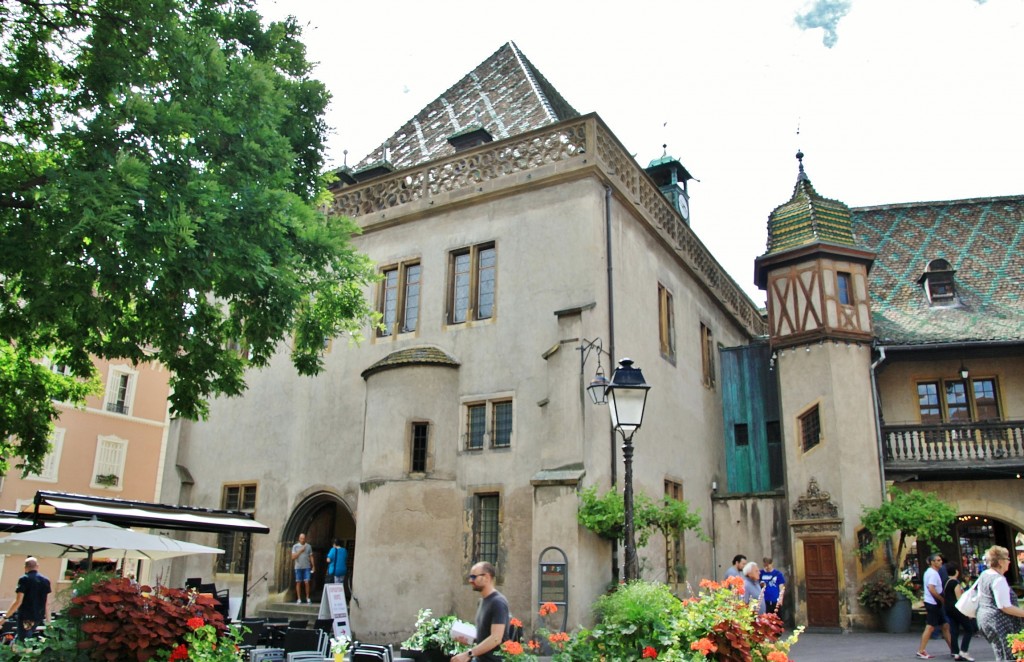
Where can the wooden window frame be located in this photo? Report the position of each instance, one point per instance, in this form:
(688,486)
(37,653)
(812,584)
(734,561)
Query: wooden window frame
(942,386)
(486,526)
(844,288)
(474,275)
(707,355)
(487,436)
(666,323)
(808,425)
(408,274)
(675,550)
(99,469)
(50,471)
(233,542)
(419,447)
(113,399)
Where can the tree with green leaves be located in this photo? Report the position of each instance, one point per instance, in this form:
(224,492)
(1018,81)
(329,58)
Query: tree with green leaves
(161,197)
(605,515)
(917,514)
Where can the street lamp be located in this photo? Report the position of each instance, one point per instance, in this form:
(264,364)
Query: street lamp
(627,396)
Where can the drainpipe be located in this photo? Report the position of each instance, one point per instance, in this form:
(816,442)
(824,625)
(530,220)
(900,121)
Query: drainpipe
(876,402)
(611,351)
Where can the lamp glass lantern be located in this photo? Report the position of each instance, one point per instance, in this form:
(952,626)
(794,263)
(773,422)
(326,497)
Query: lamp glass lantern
(627,395)
(964,372)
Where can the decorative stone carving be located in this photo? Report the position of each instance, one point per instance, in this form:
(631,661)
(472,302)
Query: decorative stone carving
(815,512)
(815,504)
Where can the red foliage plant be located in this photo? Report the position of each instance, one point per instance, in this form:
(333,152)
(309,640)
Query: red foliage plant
(122,621)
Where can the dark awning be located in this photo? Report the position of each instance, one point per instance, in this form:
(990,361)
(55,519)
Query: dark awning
(64,507)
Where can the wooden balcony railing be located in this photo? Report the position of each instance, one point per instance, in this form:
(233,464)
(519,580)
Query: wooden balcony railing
(966,443)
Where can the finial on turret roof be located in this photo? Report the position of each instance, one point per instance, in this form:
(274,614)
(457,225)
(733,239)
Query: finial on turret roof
(664,149)
(800,158)
(344,157)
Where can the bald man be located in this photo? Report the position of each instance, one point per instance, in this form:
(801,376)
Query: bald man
(32,599)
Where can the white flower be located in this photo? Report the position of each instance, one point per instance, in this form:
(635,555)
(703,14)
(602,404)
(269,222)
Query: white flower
(340,645)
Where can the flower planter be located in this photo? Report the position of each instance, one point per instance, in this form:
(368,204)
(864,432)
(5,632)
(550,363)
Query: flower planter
(896,619)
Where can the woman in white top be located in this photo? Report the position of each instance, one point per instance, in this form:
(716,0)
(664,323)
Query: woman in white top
(998,613)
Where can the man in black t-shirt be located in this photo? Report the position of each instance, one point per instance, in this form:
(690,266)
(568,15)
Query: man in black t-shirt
(30,603)
(492,617)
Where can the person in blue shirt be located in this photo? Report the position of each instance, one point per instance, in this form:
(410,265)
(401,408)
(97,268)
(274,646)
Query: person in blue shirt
(337,563)
(773,584)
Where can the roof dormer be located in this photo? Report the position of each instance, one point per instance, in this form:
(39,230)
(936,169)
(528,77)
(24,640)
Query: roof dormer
(939,282)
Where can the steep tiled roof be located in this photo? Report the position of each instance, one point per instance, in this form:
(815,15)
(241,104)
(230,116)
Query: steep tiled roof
(505,95)
(983,240)
(808,218)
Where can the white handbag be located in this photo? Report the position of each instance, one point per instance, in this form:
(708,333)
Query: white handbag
(967,604)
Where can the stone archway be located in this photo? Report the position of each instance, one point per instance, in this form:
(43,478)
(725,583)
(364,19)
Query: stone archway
(322,516)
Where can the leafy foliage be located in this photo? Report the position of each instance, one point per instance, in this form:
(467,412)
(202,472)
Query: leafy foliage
(121,620)
(919,514)
(646,621)
(605,516)
(160,194)
(434,634)
(882,594)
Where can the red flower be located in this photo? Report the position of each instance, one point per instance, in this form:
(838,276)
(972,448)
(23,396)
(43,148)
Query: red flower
(195,623)
(777,656)
(705,646)
(512,648)
(548,608)
(180,653)
(516,623)
(649,652)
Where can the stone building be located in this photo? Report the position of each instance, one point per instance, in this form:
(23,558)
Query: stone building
(522,248)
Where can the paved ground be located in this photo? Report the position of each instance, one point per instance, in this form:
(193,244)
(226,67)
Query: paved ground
(877,647)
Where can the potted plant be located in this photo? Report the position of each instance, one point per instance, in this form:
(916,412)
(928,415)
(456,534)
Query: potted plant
(891,601)
(922,515)
(107,480)
(431,639)
(339,647)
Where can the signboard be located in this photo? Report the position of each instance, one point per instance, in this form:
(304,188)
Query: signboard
(334,607)
(553,587)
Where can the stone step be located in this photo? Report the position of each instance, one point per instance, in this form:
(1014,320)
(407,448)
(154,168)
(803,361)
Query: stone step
(291,611)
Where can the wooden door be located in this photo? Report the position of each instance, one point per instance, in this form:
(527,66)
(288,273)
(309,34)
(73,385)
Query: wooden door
(822,578)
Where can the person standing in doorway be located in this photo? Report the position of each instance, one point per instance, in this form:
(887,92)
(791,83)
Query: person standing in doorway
(492,617)
(774,586)
(935,618)
(302,555)
(337,563)
(736,570)
(31,600)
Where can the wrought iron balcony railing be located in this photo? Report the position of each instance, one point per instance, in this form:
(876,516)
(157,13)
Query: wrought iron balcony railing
(971,443)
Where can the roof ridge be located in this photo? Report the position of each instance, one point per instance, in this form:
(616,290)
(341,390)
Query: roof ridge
(528,69)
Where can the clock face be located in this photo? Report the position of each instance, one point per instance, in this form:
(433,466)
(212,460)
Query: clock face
(684,206)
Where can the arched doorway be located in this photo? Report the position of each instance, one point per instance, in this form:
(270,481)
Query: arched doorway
(971,534)
(322,516)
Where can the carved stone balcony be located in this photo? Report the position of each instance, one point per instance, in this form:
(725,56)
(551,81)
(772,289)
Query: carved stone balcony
(575,148)
(963,450)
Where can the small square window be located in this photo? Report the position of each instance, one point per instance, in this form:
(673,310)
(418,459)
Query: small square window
(810,429)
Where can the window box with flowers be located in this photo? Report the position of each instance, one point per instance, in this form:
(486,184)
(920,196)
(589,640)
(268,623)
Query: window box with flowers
(108,480)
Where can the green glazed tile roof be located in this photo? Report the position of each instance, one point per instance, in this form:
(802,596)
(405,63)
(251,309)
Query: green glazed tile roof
(808,218)
(423,355)
(983,240)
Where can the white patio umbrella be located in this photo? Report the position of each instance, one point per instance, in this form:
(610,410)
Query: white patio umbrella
(87,537)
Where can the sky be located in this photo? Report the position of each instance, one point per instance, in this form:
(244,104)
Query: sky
(891,101)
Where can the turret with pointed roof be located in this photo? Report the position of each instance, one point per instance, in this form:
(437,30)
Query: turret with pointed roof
(505,95)
(813,270)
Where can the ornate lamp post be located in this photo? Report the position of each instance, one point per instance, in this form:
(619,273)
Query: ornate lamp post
(627,395)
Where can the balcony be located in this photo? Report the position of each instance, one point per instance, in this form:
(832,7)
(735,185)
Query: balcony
(961,449)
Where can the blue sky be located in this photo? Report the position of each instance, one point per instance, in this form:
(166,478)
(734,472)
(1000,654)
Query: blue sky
(895,100)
